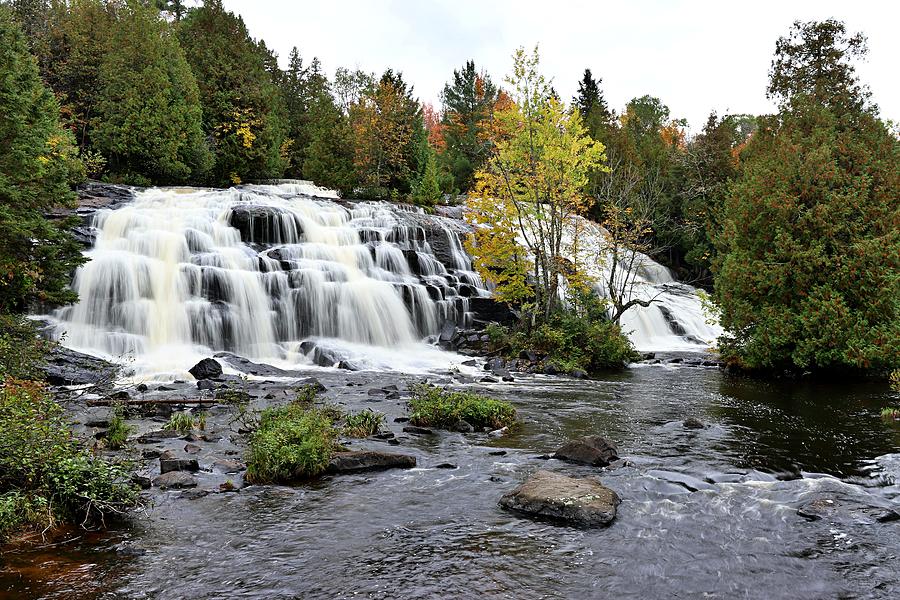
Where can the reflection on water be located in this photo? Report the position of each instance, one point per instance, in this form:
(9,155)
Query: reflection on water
(706,513)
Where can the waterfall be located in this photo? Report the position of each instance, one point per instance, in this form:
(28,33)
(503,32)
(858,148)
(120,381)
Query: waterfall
(280,273)
(288,274)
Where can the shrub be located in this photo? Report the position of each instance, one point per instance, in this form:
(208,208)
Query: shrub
(46,475)
(292,442)
(21,350)
(362,424)
(431,406)
(589,342)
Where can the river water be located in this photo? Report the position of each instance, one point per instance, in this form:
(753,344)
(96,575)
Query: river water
(707,513)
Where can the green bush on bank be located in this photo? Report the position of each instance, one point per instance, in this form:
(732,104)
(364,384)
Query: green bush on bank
(432,406)
(570,341)
(47,477)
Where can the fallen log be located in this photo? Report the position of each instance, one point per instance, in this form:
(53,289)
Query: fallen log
(115,402)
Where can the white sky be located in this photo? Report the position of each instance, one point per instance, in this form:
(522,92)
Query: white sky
(694,55)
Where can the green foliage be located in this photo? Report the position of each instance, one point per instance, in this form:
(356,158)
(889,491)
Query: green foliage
(243,111)
(46,475)
(182,422)
(362,424)
(468,103)
(590,341)
(431,406)
(21,349)
(38,165)
(809,273)
(118,431)
(148,119)
(293,442)
(426,190)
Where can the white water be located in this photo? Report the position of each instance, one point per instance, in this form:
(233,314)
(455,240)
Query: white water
(170,281)
(269,271)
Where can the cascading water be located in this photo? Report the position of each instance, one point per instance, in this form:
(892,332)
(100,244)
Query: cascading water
(279,273)
(290,275)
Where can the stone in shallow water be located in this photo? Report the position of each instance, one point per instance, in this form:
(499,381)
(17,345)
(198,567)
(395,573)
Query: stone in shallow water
(839,509)
(167,465)
(589,450)
(368,460)
(581,502)
(175,480)
(208,368)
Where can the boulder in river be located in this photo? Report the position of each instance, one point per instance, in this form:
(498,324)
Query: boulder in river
(167,465)
(548,495)
(368,460)
(208,368)
(175,480)
(588,450)
(836,508)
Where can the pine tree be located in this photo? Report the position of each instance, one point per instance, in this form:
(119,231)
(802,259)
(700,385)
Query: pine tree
(148,121)
(468,102)
(243,110)
(330,153)
(591,103)
(809,272)
(38,165)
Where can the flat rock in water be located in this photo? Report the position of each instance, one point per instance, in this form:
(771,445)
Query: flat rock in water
(159,435)
(548,495)
(368,460)
(589,450)
(847,510)
(175,480)
(167,465)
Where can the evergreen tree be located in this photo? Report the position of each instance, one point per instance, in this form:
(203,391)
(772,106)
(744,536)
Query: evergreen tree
(148,121)
(809,272)
(329,156)
(468,103)
(37,167)
(592,105)
(304,88)
(243,110)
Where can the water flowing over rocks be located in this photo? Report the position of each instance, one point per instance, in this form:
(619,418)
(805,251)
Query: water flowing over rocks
(580,502)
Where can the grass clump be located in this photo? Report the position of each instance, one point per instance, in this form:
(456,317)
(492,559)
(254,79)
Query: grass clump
(431,406)
(48,477)
(292,442)
(118,431)
(184,422)
(362,424)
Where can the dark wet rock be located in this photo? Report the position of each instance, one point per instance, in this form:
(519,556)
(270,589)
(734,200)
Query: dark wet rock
(836,508)
(175,480)
(589,450)
(349,365)
(446,466)
(488,310)
(579,374)
(692,423)
(377,392)
(550,369)
(401,420)
(489,379)
(141,481)
(239,363)
(548,495)
(495,364)
(228,466)
(142,387)
(260,224)
(68,367)
(167,465)
(312,381)
(368,460)
(206,384)
(156,436)
(675,361)
(470,363)
(193,494)
(463,426)
(208,368)
(151,453)
(417,430)
(498,453)
(192,448)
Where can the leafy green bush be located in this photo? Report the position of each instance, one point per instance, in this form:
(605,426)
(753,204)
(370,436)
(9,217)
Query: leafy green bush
(362,424)
(292,442)
(46,475)
(570,341)
(21,350)
(431,406)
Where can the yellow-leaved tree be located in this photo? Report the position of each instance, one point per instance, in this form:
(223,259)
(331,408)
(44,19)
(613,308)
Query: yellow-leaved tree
(529,193)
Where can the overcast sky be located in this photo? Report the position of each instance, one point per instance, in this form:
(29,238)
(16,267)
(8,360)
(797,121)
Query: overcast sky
(695,56)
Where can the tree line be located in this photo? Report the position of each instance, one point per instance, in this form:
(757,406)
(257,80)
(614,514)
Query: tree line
(790,219)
